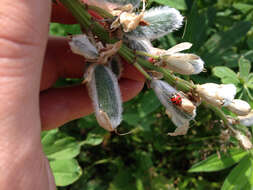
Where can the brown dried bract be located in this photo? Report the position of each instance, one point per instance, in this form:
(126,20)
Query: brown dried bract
(108,51)
(129,21)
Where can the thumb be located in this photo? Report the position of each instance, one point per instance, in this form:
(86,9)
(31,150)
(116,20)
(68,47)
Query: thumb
(23,37)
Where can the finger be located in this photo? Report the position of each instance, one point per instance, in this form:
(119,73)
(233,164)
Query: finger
(58,106)
(61,62)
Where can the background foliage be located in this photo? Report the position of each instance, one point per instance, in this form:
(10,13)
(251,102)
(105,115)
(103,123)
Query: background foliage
(83,156)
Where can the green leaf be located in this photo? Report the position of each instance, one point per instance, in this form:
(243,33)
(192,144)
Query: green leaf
(56,147)
(241,177)
(58,29)
(250,81)
(123,180)
(226,75)
(65,171)
(214,163)
(220,42)
(148,103)
(196,30)
(243,7)
(244,68)
(177,4)
(250,41)
(93,139)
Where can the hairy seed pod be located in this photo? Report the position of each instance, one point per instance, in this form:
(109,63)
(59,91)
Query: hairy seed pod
(105,94)
(161,21)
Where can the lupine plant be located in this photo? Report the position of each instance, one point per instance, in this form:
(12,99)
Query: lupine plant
(117,31)
(137,30)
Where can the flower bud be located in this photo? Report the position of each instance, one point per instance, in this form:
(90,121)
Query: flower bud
(179,114)
(244,140)
(105,94)
(81,45)
(215,94)
(239,107)
(183,63)
(246,120)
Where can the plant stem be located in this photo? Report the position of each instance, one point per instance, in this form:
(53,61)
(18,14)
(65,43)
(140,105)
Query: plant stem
(142,71)
(80,13)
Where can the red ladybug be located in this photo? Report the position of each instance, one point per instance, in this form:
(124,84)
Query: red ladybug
(176,99)
(151,60)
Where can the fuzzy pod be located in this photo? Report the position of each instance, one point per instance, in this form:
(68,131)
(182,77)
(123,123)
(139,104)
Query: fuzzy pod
(239,107)
(160,22)
(246,120)
(217,95)
(180,115)
(140,45)
(118,3)
(106,97)
(81,45)
(183,63)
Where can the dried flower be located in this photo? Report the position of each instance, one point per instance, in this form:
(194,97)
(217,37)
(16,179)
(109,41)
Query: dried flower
(129,20)
(215,94)
(244,140)
(239,107)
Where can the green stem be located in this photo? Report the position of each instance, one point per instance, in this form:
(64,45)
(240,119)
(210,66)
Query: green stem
(221,114)
(142,71)
(80,13)
(143,53)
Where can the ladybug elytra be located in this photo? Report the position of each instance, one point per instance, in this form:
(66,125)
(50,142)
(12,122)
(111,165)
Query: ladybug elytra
(176,99)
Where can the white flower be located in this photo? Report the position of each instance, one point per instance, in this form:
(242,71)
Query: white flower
(183,63)
(239,107)
(215,94)
(246,120)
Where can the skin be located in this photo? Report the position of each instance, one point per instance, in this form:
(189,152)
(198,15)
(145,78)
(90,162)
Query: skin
(30,62)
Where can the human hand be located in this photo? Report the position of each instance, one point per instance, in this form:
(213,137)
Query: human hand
(28,104)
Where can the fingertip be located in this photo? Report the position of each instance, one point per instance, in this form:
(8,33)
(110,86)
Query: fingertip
(130,72)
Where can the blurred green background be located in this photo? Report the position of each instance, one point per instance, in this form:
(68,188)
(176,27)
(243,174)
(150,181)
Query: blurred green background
(83,156)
